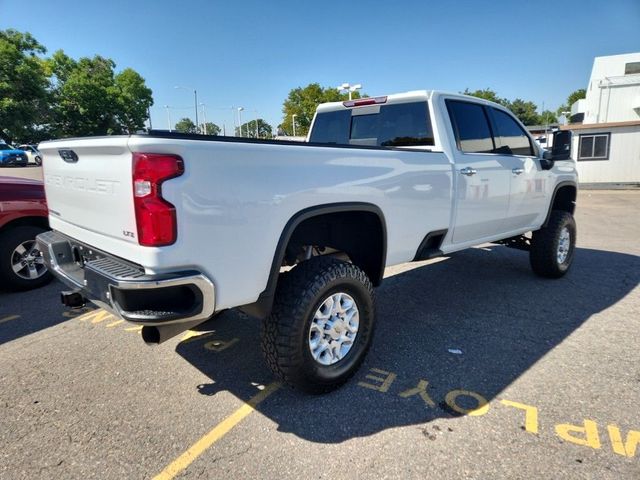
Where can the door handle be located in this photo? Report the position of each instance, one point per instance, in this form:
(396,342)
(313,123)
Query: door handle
(517,171)
(468,171)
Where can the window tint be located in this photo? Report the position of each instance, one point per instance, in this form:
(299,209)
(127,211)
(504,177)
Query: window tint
(594,147)
(395,125)
(405,124)
(510,137)
(331,127)
(471,126)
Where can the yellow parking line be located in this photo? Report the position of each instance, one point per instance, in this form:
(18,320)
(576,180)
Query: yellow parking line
(9,318)
(113,324)
(219,431)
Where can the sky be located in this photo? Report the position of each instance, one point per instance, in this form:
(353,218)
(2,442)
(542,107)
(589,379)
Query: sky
(252,53)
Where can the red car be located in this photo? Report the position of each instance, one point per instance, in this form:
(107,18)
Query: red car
(23,215)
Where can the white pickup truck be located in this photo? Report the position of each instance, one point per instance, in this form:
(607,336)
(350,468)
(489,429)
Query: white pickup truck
(167,230)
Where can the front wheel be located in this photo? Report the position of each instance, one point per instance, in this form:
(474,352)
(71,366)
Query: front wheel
(552,246)
(38,160)
(321,325)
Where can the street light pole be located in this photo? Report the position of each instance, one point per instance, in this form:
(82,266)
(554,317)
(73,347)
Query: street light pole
(168,116)
(349,88)
(195,96)
(204,118)
(240,109)
(257,130)
(293,121)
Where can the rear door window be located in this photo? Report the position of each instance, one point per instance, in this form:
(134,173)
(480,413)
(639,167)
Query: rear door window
(510,137)
(471,126)
(395,125)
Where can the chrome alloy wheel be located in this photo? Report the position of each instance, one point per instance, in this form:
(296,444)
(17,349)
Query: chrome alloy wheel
(27,261)
(334,328)
(564,244)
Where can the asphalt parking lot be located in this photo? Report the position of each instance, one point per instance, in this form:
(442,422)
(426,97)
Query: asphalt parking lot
(479,369)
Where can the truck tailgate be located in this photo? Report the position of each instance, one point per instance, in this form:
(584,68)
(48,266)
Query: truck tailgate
(88,185)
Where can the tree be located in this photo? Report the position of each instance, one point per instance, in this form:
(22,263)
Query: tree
(185,125)
(487,94)
(571,99)
(133,99)
(249,129)
(212,128)
(90,99)
(24,87)
(525,111)
(547,117)
(303,102)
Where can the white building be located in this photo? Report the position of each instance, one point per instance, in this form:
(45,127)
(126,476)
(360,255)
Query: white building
(606,124)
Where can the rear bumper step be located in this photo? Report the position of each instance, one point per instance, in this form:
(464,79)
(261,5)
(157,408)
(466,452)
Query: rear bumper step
(124,288)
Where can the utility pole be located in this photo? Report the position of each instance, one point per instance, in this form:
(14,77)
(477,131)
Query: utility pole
(293,121)
(168,116)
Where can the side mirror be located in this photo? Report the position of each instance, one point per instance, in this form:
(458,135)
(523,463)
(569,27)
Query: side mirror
(546,162)
(561,149)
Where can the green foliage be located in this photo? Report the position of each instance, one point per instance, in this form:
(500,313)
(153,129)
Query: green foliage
(547,117)
(60,97)
(249,129)
(91,99)
(212,128)
(23,86)
(133,99)
(185,125)
(526,111)
(303,103)
(571,99)
(487,94)
(575,96)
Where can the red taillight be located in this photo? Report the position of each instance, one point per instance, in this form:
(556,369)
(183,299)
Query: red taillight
(155,217)
(365,101)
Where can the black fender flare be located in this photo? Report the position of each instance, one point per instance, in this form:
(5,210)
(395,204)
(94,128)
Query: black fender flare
(262,306)
(566,183)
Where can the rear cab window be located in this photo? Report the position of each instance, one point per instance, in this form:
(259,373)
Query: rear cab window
(392,125)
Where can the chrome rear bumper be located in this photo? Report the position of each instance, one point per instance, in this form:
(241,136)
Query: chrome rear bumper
(124,288)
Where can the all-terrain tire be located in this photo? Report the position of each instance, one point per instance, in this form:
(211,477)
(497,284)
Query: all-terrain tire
(551,254)
(286,332)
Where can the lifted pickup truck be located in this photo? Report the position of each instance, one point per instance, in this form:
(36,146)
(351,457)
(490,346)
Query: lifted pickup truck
(166,230)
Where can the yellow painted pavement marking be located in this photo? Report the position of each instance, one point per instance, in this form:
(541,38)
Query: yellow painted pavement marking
(133,329)
(191,335)
(113,324)
(9,318)
(219,431)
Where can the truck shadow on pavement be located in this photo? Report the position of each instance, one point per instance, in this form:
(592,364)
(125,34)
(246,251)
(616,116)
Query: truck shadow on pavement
(485,302)
(24,313)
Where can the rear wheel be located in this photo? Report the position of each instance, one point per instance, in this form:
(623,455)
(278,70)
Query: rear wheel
(21,264)
(38,160)
(321,325)
(552,246)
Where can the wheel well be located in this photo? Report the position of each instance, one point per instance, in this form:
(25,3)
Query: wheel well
(565,199)
(357,234)
(26,221)
(355,229)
